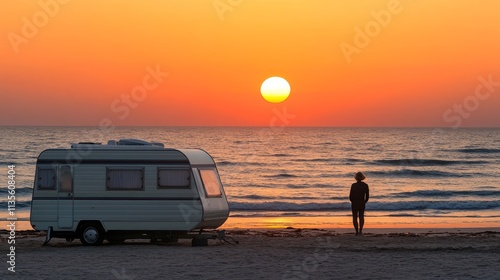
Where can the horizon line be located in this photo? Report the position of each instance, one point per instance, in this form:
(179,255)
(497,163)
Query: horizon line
(250,126)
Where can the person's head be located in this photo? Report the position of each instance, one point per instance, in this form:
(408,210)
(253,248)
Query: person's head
(359,176)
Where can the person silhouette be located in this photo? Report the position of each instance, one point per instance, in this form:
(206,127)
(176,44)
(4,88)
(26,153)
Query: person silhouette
(359,196)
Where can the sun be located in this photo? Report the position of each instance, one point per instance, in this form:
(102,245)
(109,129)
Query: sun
(275,89)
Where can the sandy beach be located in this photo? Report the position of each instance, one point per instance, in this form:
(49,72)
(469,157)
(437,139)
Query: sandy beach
(269,254)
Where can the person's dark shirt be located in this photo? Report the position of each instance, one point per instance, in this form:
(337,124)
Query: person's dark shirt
(359,193)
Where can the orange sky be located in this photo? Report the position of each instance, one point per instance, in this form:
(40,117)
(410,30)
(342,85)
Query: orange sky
(72,61)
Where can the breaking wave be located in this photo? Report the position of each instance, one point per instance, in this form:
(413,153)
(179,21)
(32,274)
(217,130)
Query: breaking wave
(439,193)
(425,162)
(418,173)
(478,151)
(378,206)
(282,175)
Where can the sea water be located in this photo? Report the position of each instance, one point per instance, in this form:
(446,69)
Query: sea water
(414,174)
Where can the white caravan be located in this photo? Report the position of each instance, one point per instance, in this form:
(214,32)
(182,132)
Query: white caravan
(127,189)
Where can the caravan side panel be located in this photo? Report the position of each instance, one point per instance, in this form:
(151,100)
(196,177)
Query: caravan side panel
(150,208)
(44,204)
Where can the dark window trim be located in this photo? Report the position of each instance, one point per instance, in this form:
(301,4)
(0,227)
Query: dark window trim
(158,186)
(142,169)
(54,187)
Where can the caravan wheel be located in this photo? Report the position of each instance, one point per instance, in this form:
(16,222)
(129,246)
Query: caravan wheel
(91,235)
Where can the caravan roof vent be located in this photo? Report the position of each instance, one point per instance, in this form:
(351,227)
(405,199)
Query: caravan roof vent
(134,142)
(157,144)
(74,146)
(137,142)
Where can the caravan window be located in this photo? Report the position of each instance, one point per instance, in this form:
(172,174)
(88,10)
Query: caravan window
(211,182)
(65,179)
(46,179)
(174,178)
(125,179)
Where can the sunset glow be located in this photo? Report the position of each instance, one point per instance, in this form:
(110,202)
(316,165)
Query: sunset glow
(350,63)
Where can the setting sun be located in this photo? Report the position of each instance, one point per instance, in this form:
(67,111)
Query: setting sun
(275,89)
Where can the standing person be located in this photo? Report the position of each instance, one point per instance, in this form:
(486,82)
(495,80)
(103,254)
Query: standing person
(359,196)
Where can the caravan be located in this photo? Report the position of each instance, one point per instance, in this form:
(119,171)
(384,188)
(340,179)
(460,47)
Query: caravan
(127,189)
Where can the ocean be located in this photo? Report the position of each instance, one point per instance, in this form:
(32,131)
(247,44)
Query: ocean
(416,175)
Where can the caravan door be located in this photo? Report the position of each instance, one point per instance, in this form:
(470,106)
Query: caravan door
(65,197)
